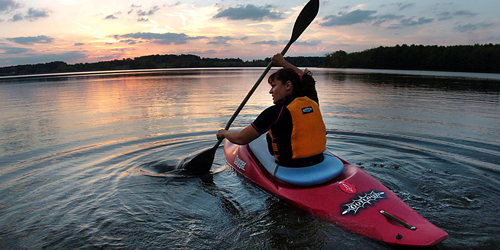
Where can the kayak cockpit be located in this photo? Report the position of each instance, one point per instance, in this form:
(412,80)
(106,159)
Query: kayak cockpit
(318,174)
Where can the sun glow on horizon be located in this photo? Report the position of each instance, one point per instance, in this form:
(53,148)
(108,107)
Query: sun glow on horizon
(90,31)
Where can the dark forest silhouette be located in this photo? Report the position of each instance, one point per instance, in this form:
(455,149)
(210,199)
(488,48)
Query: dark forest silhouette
(463,58)
(150,62)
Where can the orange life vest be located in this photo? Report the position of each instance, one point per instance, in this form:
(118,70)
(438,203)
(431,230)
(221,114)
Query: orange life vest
(308,136)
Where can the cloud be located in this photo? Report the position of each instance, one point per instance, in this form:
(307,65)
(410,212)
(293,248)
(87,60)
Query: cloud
(204,52)
(16,17)
(444,16)
(464,13)
(221,40)
(368,16)
(113,16)
(449,15)
(34,14)
(148,13)
(42,58)
(402,6)
(9,5)
(13,50)
(110,17)
(472,26)
(266,43)
(411,21)
(308,43)
(387,18)
(30,40)
(349,18)
(467,27)
(165,38)
(79,44)
(130,41)
(250,12)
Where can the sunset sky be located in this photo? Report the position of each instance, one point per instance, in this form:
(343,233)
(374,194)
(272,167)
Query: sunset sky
(78,31)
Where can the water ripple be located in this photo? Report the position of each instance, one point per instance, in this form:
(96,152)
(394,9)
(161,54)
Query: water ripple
(90,162)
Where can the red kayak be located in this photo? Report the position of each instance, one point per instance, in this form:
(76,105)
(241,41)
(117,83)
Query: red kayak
(336,191)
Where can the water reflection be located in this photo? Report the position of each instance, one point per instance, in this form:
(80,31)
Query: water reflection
(89,161)
(401,80)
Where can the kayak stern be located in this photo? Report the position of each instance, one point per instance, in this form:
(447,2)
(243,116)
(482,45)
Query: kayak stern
(354,201)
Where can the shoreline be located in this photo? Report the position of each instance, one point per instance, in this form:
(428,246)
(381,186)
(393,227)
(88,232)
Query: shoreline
(475,75)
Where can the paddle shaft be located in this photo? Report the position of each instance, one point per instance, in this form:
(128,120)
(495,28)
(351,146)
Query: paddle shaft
(269,66)
(202,163)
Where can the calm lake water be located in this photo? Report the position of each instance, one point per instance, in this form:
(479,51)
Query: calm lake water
(88,161)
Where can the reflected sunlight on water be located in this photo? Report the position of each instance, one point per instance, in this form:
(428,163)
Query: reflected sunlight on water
(89,161)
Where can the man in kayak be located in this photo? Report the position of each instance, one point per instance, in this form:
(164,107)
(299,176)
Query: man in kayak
(296,131)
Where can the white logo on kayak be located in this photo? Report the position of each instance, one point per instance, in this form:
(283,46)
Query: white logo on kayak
(239,163)
(355,205)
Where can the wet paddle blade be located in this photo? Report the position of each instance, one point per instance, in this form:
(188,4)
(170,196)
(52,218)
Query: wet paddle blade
(201,163)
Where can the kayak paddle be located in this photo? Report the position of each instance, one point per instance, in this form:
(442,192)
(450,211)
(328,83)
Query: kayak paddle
(202,163)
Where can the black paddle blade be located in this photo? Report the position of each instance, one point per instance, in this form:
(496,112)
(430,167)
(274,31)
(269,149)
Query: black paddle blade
(201,163)
(305,18)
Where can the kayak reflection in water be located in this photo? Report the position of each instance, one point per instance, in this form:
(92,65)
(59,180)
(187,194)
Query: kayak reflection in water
(296,131)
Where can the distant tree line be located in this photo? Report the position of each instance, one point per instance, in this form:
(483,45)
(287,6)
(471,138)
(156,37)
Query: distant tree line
(463,58)
(150,62)
(144,62)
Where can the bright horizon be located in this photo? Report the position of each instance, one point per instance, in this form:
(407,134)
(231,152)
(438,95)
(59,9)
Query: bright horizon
(77,31)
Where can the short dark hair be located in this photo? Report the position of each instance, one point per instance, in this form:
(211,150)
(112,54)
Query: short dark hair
(285,75)
(302,86)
